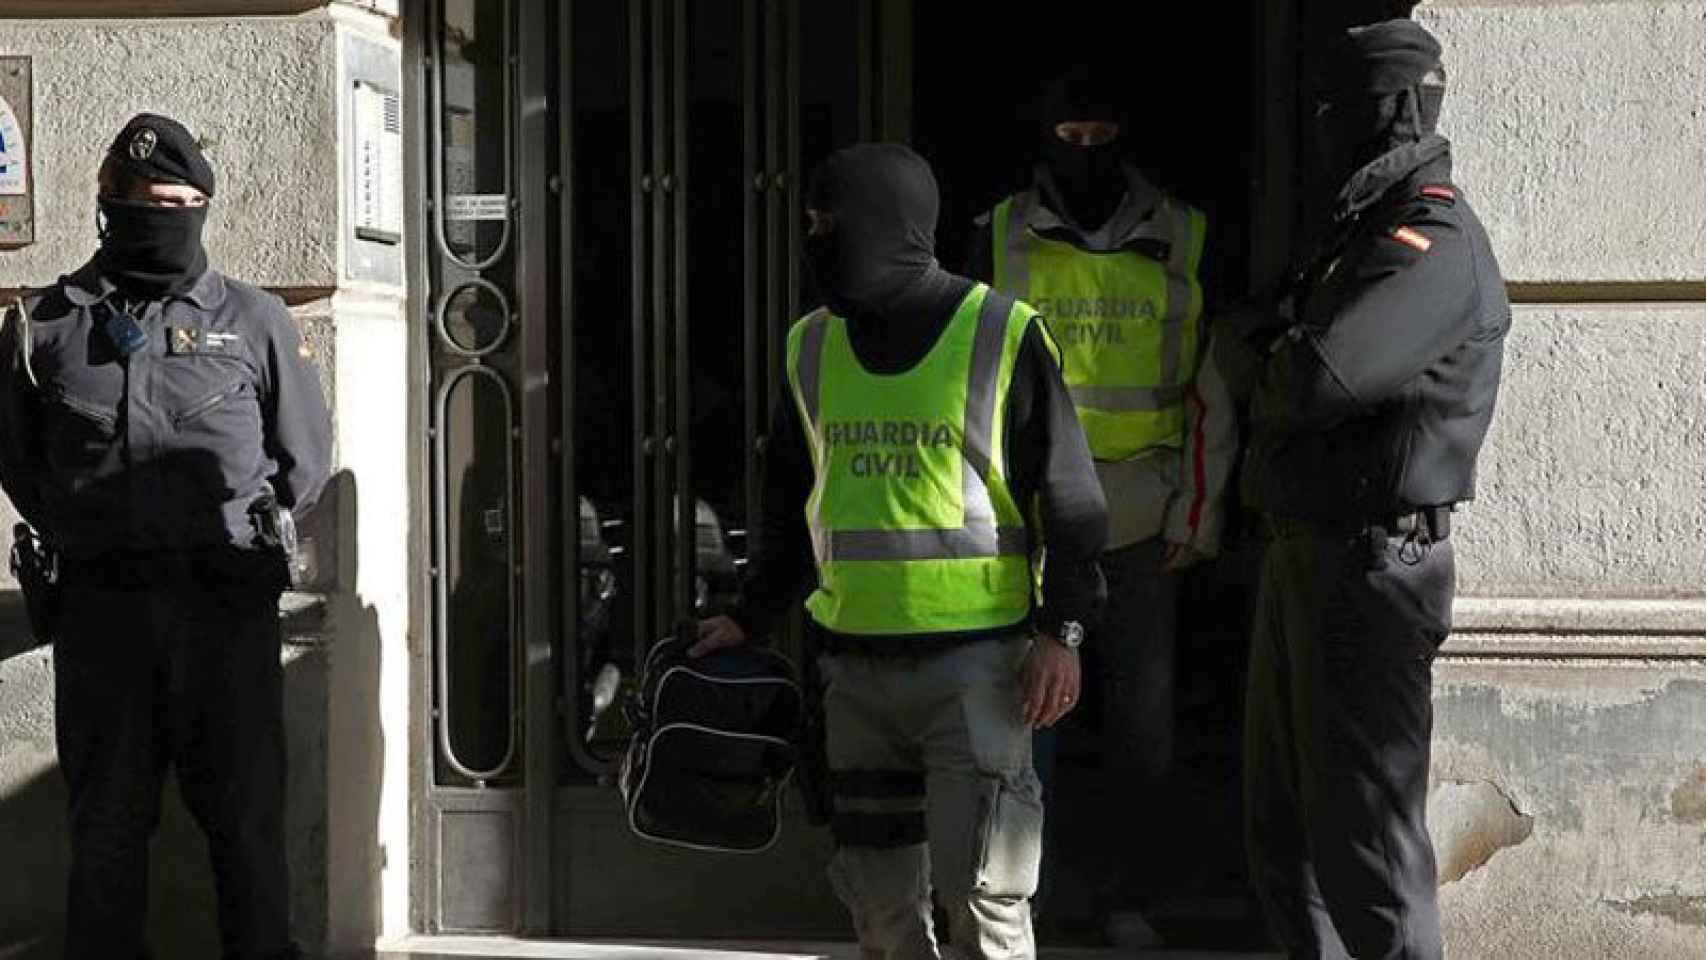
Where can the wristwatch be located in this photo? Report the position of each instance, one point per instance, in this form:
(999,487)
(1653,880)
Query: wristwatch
(1071,634)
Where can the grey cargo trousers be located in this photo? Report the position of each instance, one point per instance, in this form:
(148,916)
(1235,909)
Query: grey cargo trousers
(1337,737)
(930,763)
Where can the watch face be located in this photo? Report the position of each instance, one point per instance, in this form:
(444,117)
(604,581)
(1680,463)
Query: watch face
(1072,633)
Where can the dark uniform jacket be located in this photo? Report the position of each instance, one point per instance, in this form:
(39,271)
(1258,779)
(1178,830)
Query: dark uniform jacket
(169,448)
(1375,401)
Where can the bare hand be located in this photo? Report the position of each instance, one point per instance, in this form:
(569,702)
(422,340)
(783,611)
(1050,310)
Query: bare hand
(1051,678)
(717,633)
(1179,556)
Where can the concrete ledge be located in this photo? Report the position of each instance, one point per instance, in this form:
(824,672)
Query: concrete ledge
(1567,615)
(152,8)
(1540,647)
(1570,294)
(176,8)
(1578,134)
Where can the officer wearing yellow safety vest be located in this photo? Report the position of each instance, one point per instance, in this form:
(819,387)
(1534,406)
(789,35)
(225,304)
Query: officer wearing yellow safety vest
(1117,266)
(924,450)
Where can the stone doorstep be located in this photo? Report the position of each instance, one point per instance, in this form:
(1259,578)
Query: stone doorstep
(506,948)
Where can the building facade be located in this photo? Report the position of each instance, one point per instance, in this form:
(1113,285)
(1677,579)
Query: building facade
(544,254)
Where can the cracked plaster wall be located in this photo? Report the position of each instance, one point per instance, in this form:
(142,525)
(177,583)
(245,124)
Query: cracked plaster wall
(1607,761)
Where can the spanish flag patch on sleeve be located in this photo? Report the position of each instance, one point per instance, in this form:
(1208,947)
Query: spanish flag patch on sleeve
(1411,237)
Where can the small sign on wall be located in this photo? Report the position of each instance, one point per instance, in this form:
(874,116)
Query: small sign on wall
(17,192)
(476,206)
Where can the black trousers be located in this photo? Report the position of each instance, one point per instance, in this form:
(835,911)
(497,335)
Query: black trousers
(183,673)
(1337,743)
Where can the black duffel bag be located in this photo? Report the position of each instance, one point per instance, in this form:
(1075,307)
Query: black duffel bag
(713,747)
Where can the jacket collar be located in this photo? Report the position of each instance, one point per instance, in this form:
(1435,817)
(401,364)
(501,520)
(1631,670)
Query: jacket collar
(1134,219)
(1367,186)
(89,286)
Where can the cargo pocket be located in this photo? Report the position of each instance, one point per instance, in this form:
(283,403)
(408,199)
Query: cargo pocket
(1010,848)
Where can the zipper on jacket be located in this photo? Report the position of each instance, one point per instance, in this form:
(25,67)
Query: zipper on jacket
(85,409)
(206,404)
(1403,445)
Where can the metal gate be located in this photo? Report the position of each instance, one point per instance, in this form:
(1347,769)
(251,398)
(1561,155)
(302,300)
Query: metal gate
(613,212)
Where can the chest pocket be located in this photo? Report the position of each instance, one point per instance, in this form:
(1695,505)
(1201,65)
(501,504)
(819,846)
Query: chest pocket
(231,409)
(236,392)
(210,394)
(213,414)
(102,417)
(81,435)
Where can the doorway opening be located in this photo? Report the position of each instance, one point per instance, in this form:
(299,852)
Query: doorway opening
(1191,83)
(612,266)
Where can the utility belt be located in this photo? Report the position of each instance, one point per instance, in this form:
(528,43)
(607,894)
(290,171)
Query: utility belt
(1430,523)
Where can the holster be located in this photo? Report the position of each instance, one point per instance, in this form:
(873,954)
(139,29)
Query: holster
(36,566)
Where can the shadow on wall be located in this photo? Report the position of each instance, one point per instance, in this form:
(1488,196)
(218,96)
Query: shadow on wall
(331,694)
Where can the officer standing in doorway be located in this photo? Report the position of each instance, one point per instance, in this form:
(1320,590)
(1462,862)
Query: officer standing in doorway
(1117,266)
(925,449)
(1374,389)
(159,426)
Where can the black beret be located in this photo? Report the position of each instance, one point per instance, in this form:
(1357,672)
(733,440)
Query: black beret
(159,149)
(1381,58)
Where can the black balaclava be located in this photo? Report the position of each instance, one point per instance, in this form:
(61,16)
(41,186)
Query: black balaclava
(877,267)
(1381,89)
(885,203)
(1091,180)
(150,251)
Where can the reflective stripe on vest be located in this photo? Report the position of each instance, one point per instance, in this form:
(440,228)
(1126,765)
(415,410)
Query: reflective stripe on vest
(1123,415)
(978,569)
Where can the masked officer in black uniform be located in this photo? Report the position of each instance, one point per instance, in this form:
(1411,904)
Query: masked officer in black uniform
(1372,397)
(158,424)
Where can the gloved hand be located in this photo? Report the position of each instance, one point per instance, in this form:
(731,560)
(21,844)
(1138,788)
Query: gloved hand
(717,633)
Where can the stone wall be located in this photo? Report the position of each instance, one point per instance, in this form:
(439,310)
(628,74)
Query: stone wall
(1570,744)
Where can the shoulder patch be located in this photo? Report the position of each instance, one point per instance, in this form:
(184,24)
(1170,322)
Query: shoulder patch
(1411,237)
(1439,192)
